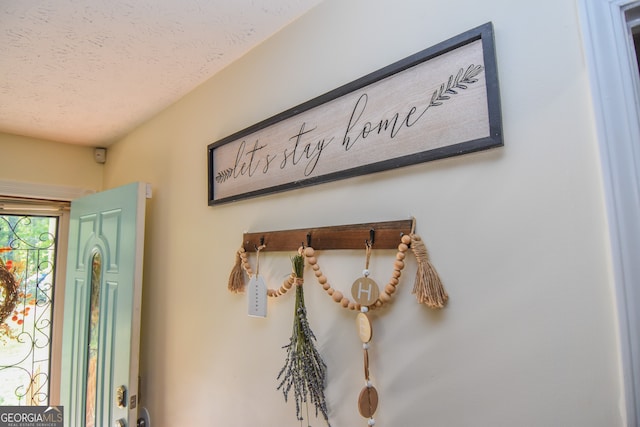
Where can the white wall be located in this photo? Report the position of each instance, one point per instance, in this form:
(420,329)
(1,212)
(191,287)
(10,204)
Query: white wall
(517,233)
(33,161)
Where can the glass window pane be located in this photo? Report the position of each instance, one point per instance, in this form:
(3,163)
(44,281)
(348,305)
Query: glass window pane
(27,262)
(94,326)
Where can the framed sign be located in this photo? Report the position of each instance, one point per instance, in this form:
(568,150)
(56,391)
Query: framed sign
(441,102)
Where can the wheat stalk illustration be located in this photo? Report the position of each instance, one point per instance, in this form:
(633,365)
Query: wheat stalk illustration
(459,82)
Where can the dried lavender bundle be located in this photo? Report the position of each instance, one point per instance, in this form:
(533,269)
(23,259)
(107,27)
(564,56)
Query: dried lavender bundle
(304,369)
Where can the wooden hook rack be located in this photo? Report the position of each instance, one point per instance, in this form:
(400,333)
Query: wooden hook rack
(384,235)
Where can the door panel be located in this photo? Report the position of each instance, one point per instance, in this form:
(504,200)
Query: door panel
(110,224)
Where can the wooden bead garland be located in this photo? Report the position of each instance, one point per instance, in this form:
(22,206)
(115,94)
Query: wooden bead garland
(368,398)
(287,284)
(428,288)
(384,296)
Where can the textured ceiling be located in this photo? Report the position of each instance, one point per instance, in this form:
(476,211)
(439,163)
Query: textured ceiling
(89,71)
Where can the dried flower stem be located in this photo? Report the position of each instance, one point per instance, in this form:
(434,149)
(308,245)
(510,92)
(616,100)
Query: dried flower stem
(304,369)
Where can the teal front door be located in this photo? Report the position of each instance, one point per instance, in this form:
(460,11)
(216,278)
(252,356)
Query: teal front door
(99,378)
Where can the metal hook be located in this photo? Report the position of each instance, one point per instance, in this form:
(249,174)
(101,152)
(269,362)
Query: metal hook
(372,234)
(308,239)
(261,244)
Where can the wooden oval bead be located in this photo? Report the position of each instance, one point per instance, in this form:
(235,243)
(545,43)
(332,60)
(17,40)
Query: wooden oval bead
(308,251)
(352,305)
(330,291)
(394,281)
(315,267)
(396,273)
(312,260)
(345,302)
(287,285)
(337,296)
(390,289)
(365,332)
(406,239)
(401,256)
(322,280)
(399,265)
(318,273)
(402,247)
(326,286)
(368,401)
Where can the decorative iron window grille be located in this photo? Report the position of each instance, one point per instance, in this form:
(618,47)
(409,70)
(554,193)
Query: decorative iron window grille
(28,252)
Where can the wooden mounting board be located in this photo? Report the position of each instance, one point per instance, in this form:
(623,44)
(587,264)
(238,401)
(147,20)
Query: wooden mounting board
(386,235)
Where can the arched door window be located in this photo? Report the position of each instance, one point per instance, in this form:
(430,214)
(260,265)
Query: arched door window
(93,338)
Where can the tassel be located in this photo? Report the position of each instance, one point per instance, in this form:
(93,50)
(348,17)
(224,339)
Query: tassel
(428,287)
(236,278)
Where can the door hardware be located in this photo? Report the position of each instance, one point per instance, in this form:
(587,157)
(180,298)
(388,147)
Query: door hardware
(121,396)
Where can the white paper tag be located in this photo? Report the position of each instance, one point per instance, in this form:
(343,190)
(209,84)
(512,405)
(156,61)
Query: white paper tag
(257,297)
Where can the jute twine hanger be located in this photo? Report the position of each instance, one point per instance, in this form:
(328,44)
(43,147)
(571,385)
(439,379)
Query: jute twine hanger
(428,286)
